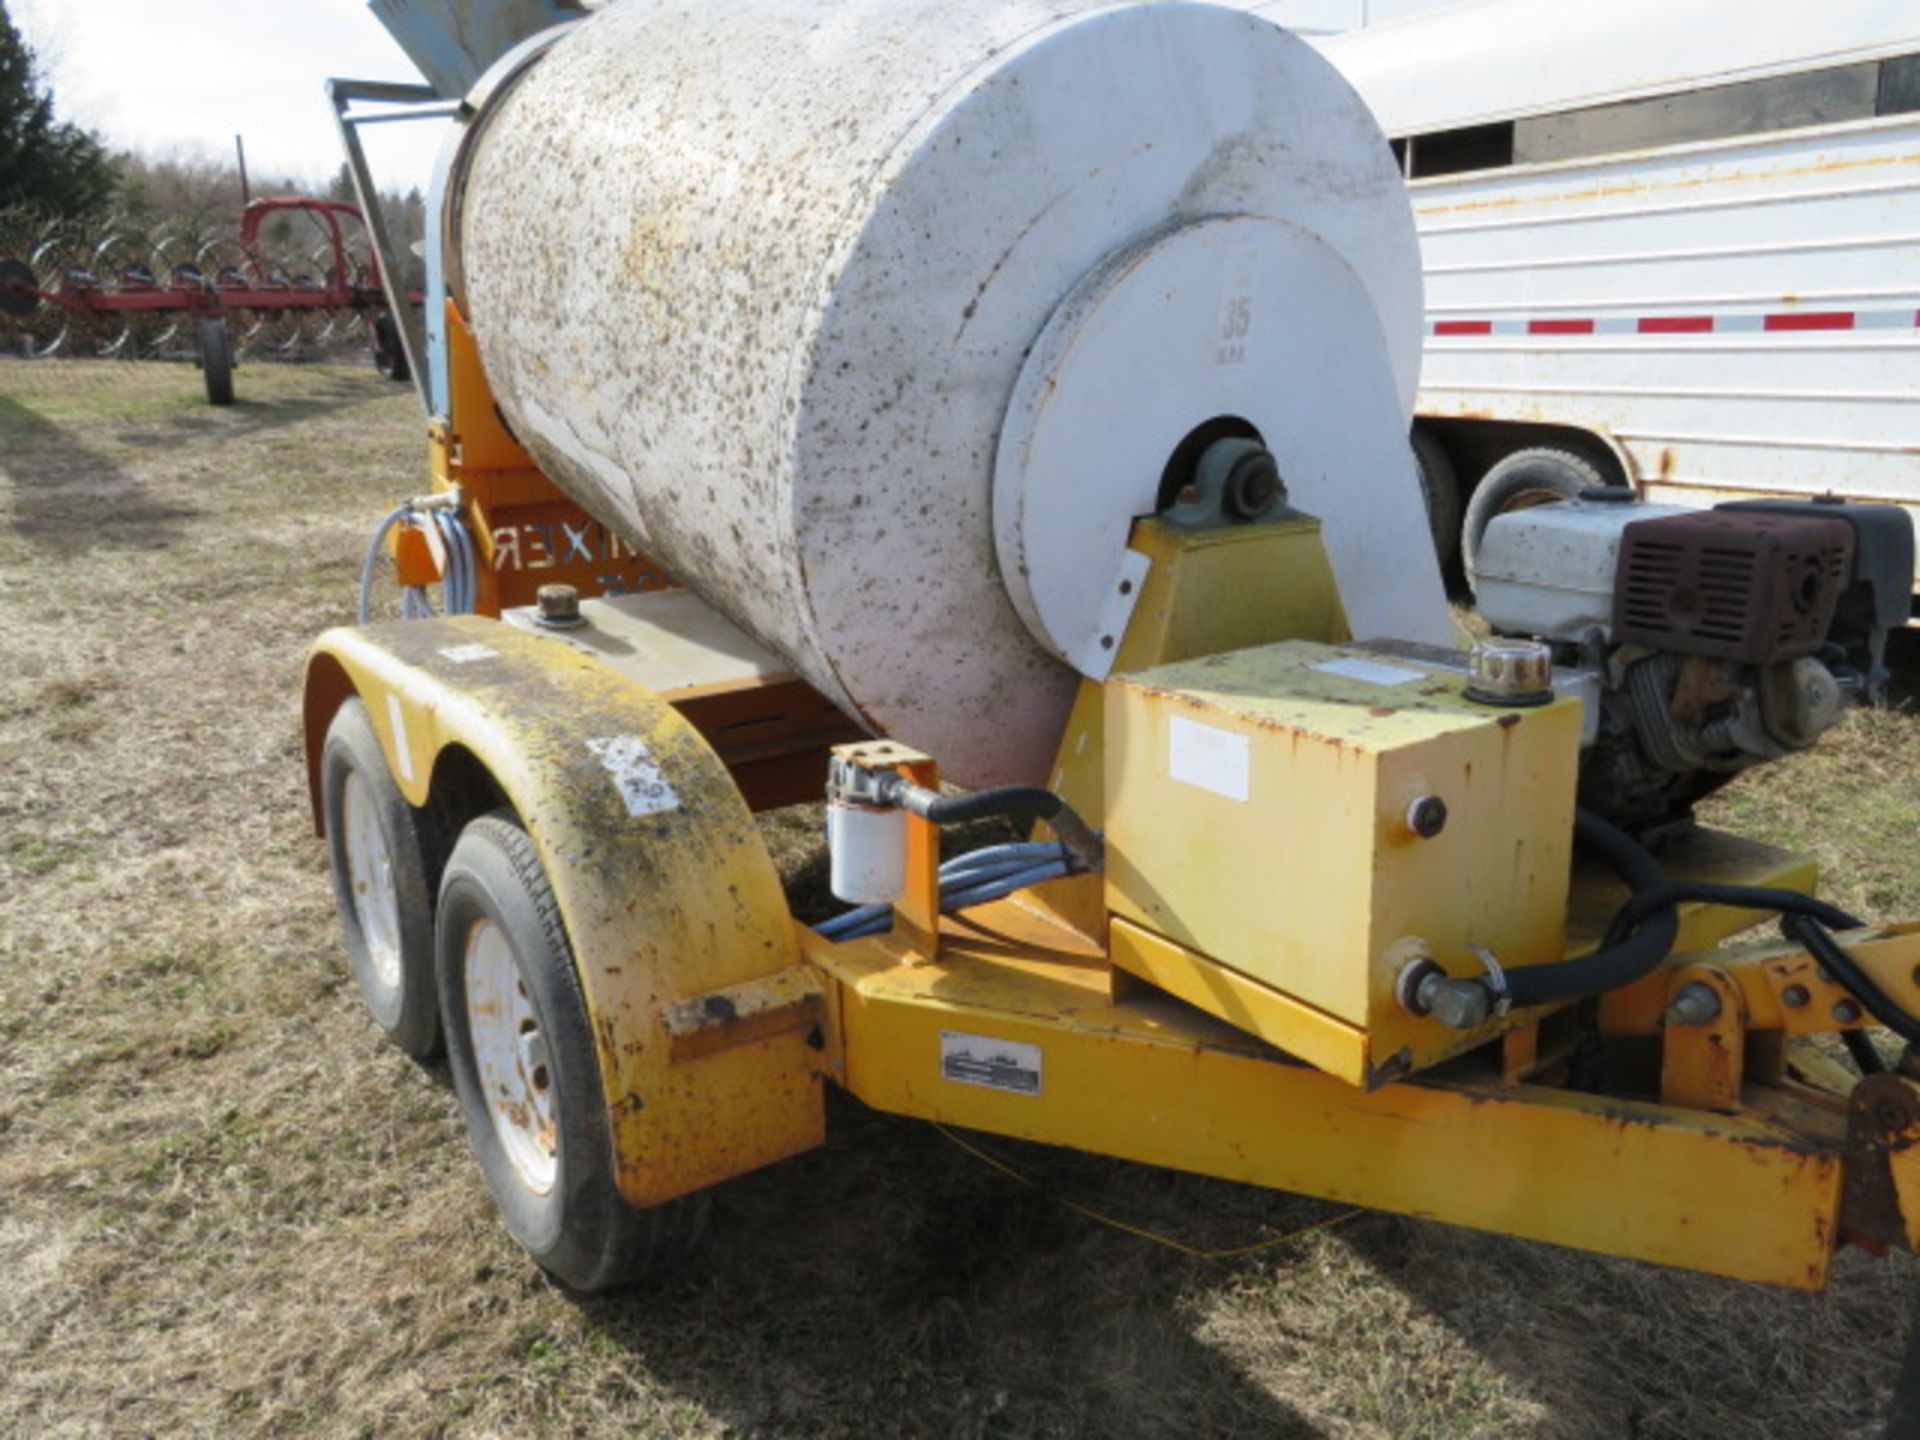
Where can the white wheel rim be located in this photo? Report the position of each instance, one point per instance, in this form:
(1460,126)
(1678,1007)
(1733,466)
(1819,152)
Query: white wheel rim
(510,1056)
(376,901)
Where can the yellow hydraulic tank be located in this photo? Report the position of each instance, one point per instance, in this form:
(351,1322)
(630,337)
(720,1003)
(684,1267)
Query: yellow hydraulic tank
(1288,827)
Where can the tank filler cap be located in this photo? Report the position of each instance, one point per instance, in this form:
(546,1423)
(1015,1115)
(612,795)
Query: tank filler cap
(1508,672)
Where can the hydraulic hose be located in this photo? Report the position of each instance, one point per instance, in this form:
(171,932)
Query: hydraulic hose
(1644,930)
(1637,953)
(1810,933)
(1865,1057)
(1012,802)
(1741,897)
(969,879)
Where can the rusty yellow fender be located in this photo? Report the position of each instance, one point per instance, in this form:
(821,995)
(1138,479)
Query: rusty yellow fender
(703,1012)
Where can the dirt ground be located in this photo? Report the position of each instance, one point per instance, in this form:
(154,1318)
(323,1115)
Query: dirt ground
(226,1208)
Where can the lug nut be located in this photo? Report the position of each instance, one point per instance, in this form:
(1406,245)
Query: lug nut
(1795,997)
(1845,1011)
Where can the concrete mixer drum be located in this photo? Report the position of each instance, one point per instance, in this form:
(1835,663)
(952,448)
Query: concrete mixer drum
(877,324)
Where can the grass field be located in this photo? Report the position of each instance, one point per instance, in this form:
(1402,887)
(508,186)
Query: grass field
(226,1208)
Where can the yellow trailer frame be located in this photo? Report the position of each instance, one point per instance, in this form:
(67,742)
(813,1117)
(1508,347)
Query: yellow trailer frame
(718,1019)
(717,1016)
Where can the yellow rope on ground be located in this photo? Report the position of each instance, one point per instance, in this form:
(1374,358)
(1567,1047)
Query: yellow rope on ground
(995,1163)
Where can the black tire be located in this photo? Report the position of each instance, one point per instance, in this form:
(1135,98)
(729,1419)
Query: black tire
(576,1225)
(389,355)
(1440,488)
(1536,476)
(216,359)
(391,954)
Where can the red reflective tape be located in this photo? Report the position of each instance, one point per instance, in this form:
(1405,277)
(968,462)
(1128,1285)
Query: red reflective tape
(1677,325)
(1812,320)
(1463,327)
(1560,327)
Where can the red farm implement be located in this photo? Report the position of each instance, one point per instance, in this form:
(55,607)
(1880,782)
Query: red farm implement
(226,297)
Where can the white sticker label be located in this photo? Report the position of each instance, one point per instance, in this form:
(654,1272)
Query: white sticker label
(402,751)
(1207,757)
(639,781)
(467,654)
(995,1064)
(1350,667)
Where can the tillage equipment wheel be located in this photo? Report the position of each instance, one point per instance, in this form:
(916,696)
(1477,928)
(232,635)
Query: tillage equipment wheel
(216,358)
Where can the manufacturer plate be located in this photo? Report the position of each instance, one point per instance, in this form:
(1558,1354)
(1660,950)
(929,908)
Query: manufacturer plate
(989,1062)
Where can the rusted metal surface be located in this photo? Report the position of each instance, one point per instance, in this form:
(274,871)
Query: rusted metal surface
(1880,1201)
(1703,1047)
(741,1014)
(791,257)
(1781,987)
(1147,1078)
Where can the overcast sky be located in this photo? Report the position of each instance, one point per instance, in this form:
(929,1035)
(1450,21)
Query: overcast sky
(156,75)
(191,74)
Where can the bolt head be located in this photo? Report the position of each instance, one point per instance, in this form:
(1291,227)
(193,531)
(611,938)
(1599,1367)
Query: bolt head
(1795,997)
(1427,816)
(1696,1004)
(1845,1011)
(559,606)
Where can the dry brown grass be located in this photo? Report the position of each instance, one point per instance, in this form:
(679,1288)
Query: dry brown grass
(226,1208)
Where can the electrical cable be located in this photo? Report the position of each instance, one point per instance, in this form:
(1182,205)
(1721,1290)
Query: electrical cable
(458,590)
(458,587)
(367,566)
(1192,1252)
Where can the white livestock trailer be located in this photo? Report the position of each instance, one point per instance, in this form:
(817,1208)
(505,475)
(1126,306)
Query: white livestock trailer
(1672,245)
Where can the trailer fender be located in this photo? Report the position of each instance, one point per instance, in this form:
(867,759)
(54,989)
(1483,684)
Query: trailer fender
(705,1016)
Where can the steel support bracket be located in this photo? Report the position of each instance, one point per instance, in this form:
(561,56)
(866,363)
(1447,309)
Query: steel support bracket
(1703,1047)
(1880,1196)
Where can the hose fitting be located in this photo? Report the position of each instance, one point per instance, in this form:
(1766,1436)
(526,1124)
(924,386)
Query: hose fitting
(853,784)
